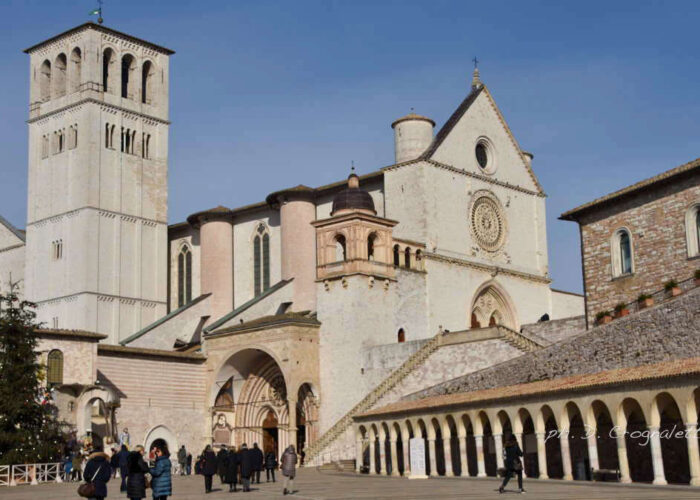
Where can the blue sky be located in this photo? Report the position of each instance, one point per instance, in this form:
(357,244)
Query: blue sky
(266,95)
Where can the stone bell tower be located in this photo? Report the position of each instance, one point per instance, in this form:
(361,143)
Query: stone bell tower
(98,166)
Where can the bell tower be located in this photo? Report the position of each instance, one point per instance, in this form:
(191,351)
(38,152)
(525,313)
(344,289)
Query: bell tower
(98,166)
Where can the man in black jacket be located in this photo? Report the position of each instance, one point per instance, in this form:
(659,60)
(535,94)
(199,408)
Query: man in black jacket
(123,469)
(258,459)
(209,467)
(247,466)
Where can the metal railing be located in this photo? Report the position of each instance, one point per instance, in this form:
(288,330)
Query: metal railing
(17,475)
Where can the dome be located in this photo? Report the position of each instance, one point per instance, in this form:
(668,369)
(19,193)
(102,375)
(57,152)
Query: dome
(353,198)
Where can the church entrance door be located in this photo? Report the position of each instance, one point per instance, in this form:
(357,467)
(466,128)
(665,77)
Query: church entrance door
(270,433)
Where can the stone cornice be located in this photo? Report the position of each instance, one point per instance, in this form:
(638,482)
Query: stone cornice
(13,247)
(92,100)
(351,216)
(106,296)
(89,207)
(491,269)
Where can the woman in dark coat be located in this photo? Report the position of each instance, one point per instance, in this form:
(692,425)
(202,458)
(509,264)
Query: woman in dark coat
(136,479)
(221,463)
(98,471)
(247,466)
(208,467)
(270,465)
(512,463)
(161,482)
(232,466)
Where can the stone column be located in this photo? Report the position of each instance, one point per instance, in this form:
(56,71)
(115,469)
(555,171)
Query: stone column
(541,455)
(359,448)
(519,439)
(447,452)
(498,442)
(382,455)
(464,464)
(372,460)
(566,455)
(216,243)
(405,440)
(693,454)
(657,460)
(592,442)
(433,462)
(480,456)
(394,459)
(622,457)
(292,426)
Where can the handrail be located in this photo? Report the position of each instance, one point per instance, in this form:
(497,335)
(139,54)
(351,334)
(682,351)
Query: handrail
(33,474)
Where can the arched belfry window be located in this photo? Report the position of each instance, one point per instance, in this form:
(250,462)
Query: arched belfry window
(401,336)
(75,69)
(621,253)
(184,276)
(128,64)
(147,83)
(407,257)
(371,240)
(107,65)
(60,67)
(261,259)
(397,253)
(45,81)
(340,248)
(54,368)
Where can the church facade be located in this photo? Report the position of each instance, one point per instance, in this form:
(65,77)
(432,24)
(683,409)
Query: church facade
(273,322)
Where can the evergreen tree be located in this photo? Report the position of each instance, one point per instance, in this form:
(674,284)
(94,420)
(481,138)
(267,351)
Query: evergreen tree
(29,431)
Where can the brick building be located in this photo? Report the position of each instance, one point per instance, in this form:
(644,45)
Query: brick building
(635,240)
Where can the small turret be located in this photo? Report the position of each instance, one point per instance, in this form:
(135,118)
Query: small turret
(412,135)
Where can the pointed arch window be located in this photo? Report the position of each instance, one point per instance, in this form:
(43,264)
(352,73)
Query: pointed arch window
(340,248)
(54,375)
(261,259)
(184,276)
(401,336)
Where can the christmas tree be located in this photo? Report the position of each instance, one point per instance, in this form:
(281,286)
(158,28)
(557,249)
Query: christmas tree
(29,431)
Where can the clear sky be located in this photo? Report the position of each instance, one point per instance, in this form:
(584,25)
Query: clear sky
(267,95)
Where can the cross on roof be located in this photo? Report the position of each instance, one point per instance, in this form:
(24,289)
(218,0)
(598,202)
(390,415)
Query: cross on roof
(476,62)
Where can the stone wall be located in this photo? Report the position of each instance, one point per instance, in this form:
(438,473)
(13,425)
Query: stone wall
(666,331)
(555,330)
(656,223)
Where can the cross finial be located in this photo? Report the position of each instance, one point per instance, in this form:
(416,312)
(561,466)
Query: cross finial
(352,166)
(476,62)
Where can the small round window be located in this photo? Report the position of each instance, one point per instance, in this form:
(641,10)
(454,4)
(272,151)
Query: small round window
(482,155)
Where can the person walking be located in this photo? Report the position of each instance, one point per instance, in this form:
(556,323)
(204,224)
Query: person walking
(221,463)
(182,459)
(233,461)
(247,466)
(258,461)
(97,472)
(270,465)
(124,438)
(289,469)
(77,460)
(512,463)
(121,462)
(136,469)
(67,468)
(208,467)
(161,473)
(189,463)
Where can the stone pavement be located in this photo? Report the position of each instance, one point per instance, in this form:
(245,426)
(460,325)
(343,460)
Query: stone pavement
(317,485)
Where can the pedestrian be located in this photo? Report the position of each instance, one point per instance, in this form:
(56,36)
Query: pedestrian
(124,438)
(232,466)
(77,466)
(221,463)
(121,462)
(114,462)
(258,461)
(97,472)
(270,465)
(247,466)
(208,467)
(161,474)
(199,465)
(136,469)
(289,468)
(189,464)
(67,467)
(182,459)
(512,463)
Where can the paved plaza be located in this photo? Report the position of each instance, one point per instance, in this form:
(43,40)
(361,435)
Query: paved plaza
(312,484)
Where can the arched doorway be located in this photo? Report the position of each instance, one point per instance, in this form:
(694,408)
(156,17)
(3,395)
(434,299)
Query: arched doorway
(95,415)
(159,435)
(492,306)
(270,433)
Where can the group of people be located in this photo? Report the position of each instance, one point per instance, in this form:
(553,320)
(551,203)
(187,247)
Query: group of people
(244,466)
(100,468)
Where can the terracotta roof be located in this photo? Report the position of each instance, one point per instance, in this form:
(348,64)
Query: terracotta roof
(106,349)
(688,168)
(667,369)
(80,334)
(412,116)
(103,29)
(271,199)
(17,232)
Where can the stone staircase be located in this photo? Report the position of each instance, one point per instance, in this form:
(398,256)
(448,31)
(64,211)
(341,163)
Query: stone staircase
(370,399)
(522,341)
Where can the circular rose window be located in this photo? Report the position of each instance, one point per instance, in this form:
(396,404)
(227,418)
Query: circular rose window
(488,223)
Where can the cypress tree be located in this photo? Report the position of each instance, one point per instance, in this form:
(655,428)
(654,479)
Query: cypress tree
(29,430)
